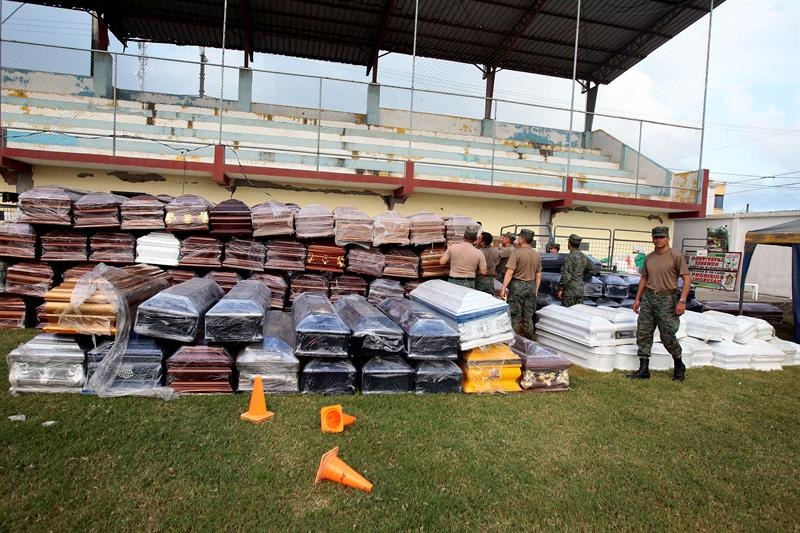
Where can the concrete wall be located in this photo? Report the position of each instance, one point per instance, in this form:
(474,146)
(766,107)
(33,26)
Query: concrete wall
(628,158)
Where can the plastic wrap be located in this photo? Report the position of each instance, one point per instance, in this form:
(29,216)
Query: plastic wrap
(279,287)
(315,283)
(319,330)
(410,286)
(455,226)
(346,284)
(387,375)
(543,300)
(272,218)
(177,313)
(482,331)
(199,251)
(140,368)
(29,279)
(391,228)
(614,286)
(230,218)
(225,280)
(401,263)
(438,376)
(380,289)
(245,255)
(329,376)
(200,369)
(158,248)
(549,283)
(17,240)
(542,368)
(371,330)
(97,210)
(427,335)
(352,226)
(492,369)
(47,205)
(285,255)
(633,285)
(313,221)
(179,275)
(47,363)
(456,302)
(429,262)
(64,245)
(370,262)
(187,213)
(239,316)
(426,228)
(112,247)
(554,262)
(142,212)
(325,258)
(273,358)
(593,288)
(12,311)
(608,303)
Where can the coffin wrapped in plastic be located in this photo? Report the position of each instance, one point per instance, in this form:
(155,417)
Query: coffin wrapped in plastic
(542,368)
(179,275)
(386,375)
(347,284)
(554,262)
(614,286)
(492,369)
(411,285)
(230,218)
(308,283)
(370,262)
(593,287)
(12,311)
(633,284)
(158,248)
(139,370)
(200,251)
(457,302)
(549,284)
(112,247)
(142,269)
(142,212)
(325,257)
(328,376)
(225,280)
(97,210)
(426,228)
(285,255)
(187,213)
(177,313)
(65,245)
(743,330)
(200,369)
(273,358)
(239,316)
(313,221)
(319,330)
(272,218)
(401,263)
(17,240)
(278,286)
(371,330)
(391,228)
(427,335)
(352,226)
(47,205)
(381,288)
(438,376)
(429,262)
(244,255)
(29,279)
(543,300)
(47,363)
(455,226)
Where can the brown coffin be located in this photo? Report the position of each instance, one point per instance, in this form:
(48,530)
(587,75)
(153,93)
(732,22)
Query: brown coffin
(272,218)
(179,275)
(370,262)
(244,255)
(231,218)
(97,210)
(278,285)
(285,255)
(47,205)
(225,280)
(187,213)
(142,212)
(64,245)
(112,247)
(17,240)
(347,284)
(201,251)
(12,311)
(308,283)
(401,263)
(325,258)
(29,279)
(429,262)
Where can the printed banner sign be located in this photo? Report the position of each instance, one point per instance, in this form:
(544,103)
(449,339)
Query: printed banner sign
(714,270)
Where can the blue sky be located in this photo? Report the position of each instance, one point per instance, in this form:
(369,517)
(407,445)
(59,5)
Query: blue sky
(752,116)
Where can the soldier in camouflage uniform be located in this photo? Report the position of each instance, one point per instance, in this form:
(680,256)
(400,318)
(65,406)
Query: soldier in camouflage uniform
(575,269)
(657,305)
(521,283)
(465,260)
(485,283)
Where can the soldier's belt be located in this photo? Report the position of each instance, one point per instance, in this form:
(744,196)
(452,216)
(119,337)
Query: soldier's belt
(661,293)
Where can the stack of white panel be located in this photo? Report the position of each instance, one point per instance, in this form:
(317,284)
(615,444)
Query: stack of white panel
(730,355)
(47,363)
(743,330)
(704,327)
(765,356)
(790,350)
(587,340)
(702,353)
(764,330)
(158,248)
(660,358)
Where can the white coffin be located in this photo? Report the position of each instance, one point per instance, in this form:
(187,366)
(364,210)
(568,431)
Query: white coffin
(743,330)
(790,350)
(158,248)
(730,355)
(600,358)
(702,353)
(705,327)
(456,302)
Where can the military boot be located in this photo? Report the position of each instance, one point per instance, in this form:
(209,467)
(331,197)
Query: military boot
(679,374)
(644,369)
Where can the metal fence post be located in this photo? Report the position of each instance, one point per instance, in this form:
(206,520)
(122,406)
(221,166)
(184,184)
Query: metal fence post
(114,66)
(638,158)
(494,139)
(319,124)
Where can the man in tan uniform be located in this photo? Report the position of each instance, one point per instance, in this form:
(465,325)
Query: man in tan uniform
(485,282)
(521,283)
(503,253)
(465,260)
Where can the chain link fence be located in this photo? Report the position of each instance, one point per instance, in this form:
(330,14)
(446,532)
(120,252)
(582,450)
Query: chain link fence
(595,241)
(628,249)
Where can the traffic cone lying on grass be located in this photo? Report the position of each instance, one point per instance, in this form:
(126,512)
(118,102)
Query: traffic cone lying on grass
(333,420)
(334,469)
(257,412)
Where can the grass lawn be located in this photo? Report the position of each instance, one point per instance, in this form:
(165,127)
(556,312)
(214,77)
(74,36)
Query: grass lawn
(718,452)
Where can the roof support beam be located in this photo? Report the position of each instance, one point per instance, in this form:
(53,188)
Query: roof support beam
(247,32)
(520,28)
(388,7)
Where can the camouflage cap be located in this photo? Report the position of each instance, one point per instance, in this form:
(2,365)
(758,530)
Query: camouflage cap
(471,232)
(510,236)
(526,233)
(575,240)
(660,231)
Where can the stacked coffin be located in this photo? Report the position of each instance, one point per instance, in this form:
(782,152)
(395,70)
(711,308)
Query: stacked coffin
(765,356)
(3,272)
(97,210)
(371,332)
(273,358)
(112,247)
(479,318)
(426,228)
(325,257)
(77,271)
(197,251)
(429,262)
(177,313)
(278,287)
(730,355)
(438,376)
(380,289)
(401,263)
(142,212)
(286,255)
(391,228)
(742,330)
(313,221)
(315,283)
(660,358)
(455,226)
(586,340)
(352,227)
(329,376)
(147,270)
(410,286)
(702,353)
(370,262)
(225,280)
(704,327)
(764,330)
(47,363)
(624,321)
(200,369)
(230,218)
(64,245)
(29,279)
(158,248)
(187,213)
(347,284)
(614,286)
(12,311)
(593,288)
(492,369)
(387,375)
(244,255)
(427,336)
(543,370)
(790,349)
(138,370)
(319,330)
(47,205)
(17,240)
(272,218)
(179,275)
(239,316)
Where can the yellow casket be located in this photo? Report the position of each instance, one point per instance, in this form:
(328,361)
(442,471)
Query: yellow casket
(492,368)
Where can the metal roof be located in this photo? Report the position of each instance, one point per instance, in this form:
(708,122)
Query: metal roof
(524,35)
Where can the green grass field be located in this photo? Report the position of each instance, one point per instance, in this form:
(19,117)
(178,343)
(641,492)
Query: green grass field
(718,452)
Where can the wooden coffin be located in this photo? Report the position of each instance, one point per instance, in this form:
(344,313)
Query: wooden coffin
(325,258)
(97,210)
(64,245)
(245,255)
(142,212)
(29,279)
(17,240)
(285,255)
(199,251)
(231,218)
(370,262)
(187,213)
(272,218)
(112,247)
(401,263)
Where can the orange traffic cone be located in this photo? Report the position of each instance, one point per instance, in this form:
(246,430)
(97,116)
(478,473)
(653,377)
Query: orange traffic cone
(334,469)
(333,420)
(257,412)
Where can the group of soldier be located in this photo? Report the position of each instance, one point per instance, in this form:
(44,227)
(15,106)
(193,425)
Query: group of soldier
(475,263)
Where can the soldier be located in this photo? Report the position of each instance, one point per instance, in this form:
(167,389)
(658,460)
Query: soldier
(485,282)
(575,269)
(465,260)
(656,303)
(504,252)
(552,248)
(521,283)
